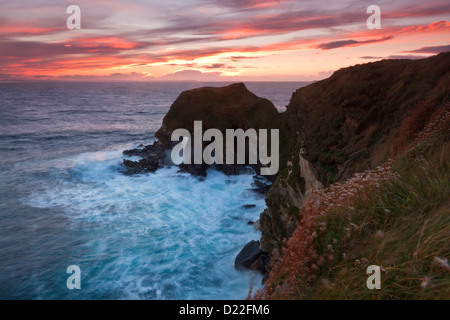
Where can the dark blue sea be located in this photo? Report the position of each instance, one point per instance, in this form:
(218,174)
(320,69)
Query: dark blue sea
(64,201)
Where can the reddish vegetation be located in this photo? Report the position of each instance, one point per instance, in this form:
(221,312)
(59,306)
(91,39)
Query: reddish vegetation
(299,260)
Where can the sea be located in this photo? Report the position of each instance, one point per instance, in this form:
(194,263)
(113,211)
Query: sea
(65,202)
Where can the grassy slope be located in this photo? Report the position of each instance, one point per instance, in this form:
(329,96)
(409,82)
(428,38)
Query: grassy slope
(397,217)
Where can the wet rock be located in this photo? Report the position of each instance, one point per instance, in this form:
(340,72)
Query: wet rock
(248,255)
(153,157)
(249,206)
(260,185)
(148,164)
(197,170)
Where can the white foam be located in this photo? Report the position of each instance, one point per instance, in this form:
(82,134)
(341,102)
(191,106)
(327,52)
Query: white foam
(164,235)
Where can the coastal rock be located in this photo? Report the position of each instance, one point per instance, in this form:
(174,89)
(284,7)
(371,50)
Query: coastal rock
(153,157)
(230,107)
(197,170)
(260,185)
(248,255)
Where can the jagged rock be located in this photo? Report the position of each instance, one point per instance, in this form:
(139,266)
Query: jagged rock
(197,170)
(248,255)
(260,185)
(153,157)
(131,167)
(145,151)
(148,164)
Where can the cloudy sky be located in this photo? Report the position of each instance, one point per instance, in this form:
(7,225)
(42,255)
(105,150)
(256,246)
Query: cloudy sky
(274,40)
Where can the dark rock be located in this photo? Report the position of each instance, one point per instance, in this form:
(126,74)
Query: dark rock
(265,261)
(261,263)
(131,167)
(197,170)
(260,185)
(248,255)
(153,157)
(249,206)
(148,164)
(222,108)
(250,222)
(144,151)
(265,278)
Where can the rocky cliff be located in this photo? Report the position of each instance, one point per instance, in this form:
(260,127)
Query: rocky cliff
(348,123)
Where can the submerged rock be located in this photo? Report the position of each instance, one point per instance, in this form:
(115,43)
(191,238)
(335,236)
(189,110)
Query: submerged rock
(260,185)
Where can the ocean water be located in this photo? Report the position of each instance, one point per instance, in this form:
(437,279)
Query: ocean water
(63,200)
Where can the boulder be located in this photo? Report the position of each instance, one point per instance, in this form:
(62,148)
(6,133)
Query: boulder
(248,255)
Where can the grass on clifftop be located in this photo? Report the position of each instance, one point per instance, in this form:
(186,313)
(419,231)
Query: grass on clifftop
(396,216)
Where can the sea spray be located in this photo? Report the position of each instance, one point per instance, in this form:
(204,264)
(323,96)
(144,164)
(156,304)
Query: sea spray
(164,235)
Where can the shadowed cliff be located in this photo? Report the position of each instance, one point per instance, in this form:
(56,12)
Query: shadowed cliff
(348,124)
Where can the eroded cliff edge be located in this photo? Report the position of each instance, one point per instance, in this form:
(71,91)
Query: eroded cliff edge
(350,122)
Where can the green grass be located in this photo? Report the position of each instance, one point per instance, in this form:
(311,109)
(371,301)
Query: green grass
(403,226)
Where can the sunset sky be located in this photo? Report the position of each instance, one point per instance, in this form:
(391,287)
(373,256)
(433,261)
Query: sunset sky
(212,40)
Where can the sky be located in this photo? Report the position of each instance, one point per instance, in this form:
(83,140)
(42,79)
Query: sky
(212,40)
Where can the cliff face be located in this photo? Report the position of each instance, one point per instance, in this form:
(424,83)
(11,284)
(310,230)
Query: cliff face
(348,123)
(230,107)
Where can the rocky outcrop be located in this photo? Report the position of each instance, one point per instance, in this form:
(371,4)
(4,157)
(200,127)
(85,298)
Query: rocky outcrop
(230,107)
(252,257)
(284,199)
(248,255)
(310,175)
(153,157)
